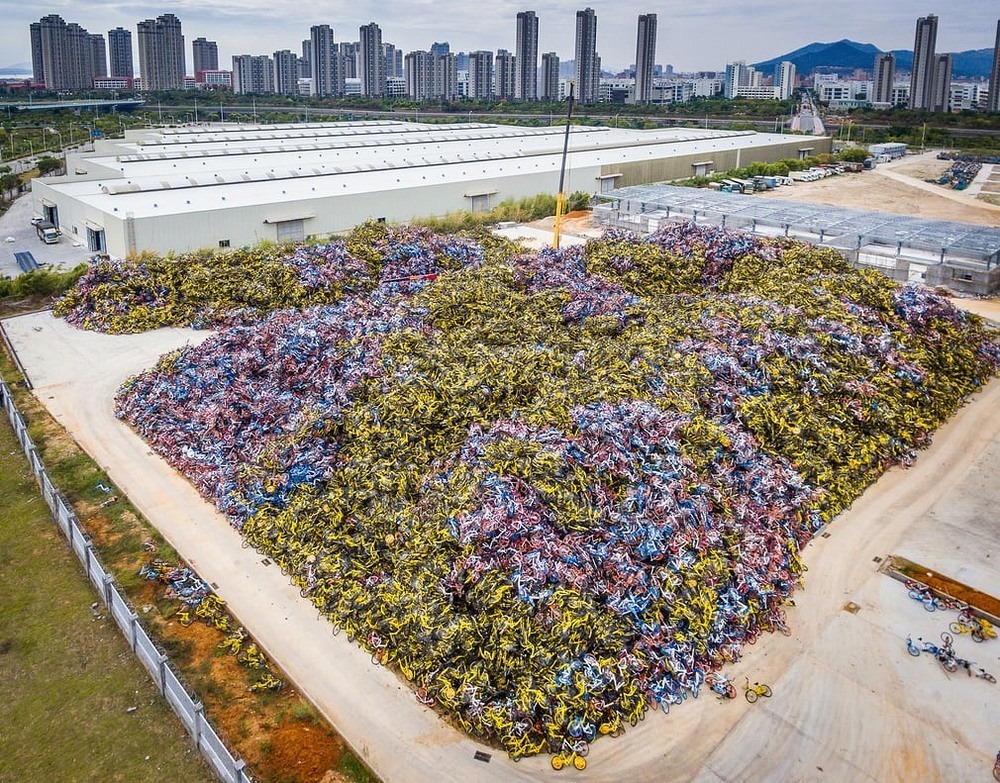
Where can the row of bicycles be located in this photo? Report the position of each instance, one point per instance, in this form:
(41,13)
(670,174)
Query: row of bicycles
(968,621)
(946,656)
(979,628)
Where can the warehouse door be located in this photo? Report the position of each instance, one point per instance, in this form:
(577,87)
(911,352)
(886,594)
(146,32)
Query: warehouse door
(95,240)
(291,230)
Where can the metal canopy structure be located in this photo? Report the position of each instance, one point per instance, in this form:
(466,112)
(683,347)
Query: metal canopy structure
(933,241)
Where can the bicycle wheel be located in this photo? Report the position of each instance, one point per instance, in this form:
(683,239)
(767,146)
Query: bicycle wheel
(977,635)
(558,761)
(996,771)
(730,691)
(580,763)
(989,677)
(765,690)
(751,695)
(949,663)
(957,627)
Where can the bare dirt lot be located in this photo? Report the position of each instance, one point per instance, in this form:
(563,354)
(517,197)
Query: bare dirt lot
(898,187)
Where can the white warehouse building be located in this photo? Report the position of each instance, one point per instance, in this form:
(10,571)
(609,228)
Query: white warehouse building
(209,187)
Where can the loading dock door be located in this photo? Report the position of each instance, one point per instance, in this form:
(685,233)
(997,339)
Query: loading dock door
(291,230)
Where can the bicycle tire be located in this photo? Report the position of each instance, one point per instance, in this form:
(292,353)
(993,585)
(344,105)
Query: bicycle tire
(580,763)
(996,772)
(977,635)
(765,690)
(751,695)
(730,691)
(988,677)
(949,664)
(930,605)
(957,627)
(558,762)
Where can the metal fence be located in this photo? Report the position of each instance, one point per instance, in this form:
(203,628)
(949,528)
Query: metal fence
(227,768)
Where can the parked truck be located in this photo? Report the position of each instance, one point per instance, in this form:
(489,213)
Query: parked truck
(47,232)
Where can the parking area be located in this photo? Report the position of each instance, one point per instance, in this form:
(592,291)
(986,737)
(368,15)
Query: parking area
(15,225)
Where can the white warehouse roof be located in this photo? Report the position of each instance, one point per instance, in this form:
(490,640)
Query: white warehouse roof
(190,187)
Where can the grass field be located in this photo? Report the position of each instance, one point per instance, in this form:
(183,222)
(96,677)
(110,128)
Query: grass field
(77,705)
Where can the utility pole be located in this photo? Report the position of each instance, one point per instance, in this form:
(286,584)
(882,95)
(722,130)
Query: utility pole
(561,196)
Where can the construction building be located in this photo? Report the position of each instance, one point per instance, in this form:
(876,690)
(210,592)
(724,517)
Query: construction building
(189,187)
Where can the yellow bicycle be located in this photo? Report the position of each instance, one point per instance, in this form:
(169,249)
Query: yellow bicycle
(755,691)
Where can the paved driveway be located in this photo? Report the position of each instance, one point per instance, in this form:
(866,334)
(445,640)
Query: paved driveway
(69,251)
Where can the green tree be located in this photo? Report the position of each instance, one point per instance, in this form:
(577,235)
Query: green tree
(854,154)
(48,164)
(9,182)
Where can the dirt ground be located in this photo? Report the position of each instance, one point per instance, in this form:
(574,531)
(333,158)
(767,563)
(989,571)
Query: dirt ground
(897,187)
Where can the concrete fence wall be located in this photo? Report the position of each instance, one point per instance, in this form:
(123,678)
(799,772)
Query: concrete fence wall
(227,768)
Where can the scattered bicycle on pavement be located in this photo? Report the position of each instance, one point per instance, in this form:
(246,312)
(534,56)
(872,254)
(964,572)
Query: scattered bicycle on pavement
(755,691)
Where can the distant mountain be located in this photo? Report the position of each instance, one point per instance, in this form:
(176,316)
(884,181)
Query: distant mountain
(839,54)
(847,56)
(970,64)
(16,68)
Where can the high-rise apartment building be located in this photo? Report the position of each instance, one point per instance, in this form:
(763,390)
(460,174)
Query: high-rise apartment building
(504,75)
(993,96)
(305,61)
(286,72)
(206,55)
(941,91)
(550,77)
(882,77)
(445,76)
(784,80)
(327,63)
(371,64)
(645,57)
(922,70)
(419,67)
(526,57)
(480,75)
(253,74)
(64,55)
(737,75)
(350,53)
(120,53)
(431,76)
(393,59)
(588,66)
(161,53)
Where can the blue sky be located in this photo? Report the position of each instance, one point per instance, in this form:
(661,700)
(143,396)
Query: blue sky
(701,35)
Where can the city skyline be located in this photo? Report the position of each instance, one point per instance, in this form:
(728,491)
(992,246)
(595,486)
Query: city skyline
(730,33)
